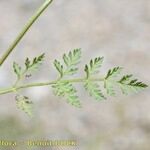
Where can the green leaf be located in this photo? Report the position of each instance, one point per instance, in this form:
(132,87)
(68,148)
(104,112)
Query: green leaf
(94,90)
(66,90)
(35,63)
(71,60)
(24,104)
(27,63)
(94,66)
(110,80)
(112,73)
(59,67)
(129,85)
(17,69)
(64,87)
(29,66)
(125,79)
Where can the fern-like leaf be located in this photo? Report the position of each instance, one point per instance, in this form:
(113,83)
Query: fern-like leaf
(92,87)
(129,85)
(63,87)
(94,90)
(24,104)
(35,63)
(94,66)
(17,69)
(71,60)
(110,80)
(59,67)
(112,73)
(66,89)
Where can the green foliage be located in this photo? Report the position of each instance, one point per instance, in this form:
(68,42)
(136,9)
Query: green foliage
(94,90)
(126,84)
(110,81)
(93,67)
(112,73)
(30,66)
(24,104)
(91,87)
(70,60)
(17,69)
(59,67)
(66,89)
(129,85)
(35,63)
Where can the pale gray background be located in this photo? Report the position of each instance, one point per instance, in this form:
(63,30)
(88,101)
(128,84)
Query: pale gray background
(119,30)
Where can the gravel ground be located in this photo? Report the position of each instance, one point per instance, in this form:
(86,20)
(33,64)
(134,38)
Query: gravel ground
(116,29)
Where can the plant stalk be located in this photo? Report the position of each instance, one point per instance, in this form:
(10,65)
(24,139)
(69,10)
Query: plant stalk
(24,30)
(13,89)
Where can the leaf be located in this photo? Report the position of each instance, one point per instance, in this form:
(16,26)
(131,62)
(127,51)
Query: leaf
(17,69)
(94,66)
(112,73)
(36,62)
(110,80)
(59,67)
(64,87)
(94,90)
(71,60)
(24,104)
(27,63)
(30,66)
(66,90)
(125,79)
(129,85)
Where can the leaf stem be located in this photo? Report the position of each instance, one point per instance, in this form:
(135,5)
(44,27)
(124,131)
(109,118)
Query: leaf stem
(24,30)
(13,89)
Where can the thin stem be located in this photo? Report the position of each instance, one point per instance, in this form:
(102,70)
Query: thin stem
(24,30)
(13,89)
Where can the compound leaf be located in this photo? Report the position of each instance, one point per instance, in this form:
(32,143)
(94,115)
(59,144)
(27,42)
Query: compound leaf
(64,87)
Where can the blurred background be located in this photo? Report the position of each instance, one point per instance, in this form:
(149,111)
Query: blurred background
(116,29)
